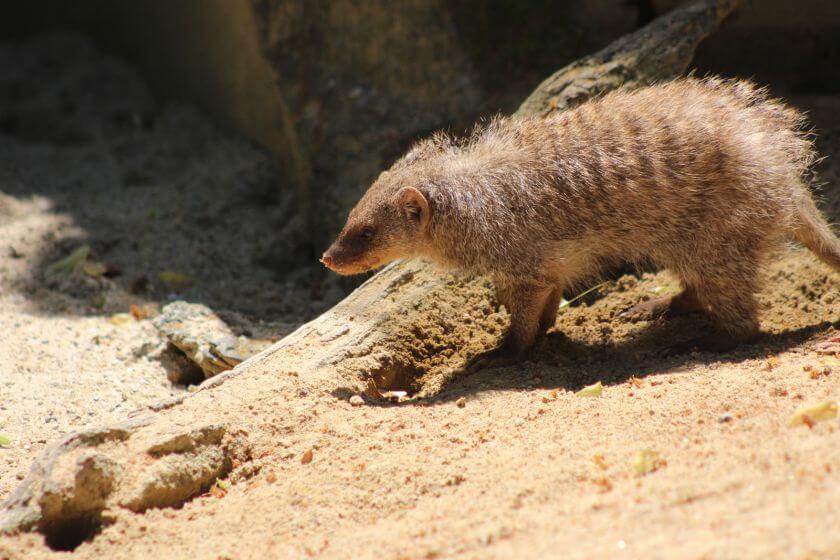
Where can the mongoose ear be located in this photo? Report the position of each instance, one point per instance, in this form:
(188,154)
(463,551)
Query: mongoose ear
(415,206)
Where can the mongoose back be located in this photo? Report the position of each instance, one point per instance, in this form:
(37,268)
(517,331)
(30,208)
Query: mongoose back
(702,177)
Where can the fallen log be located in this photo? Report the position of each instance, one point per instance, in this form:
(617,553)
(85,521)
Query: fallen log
(409,328)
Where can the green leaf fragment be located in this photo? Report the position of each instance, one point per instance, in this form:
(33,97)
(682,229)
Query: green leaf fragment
(69,264)
(593,390)
(5,441)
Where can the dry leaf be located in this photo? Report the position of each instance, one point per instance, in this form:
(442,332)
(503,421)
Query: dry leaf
(810,414)
(647,461)
(120,319)
(600,461)
(830,361)
(94,269)
(306,458)
(603,483)
(772,363)
(141,312)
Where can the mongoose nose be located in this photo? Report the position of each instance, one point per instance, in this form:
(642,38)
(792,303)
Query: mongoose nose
(327,260)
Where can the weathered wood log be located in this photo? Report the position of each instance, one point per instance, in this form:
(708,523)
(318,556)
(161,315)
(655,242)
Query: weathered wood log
(661,51)
(408,328)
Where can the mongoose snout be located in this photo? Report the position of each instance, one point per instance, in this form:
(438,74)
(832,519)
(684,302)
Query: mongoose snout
(702,177)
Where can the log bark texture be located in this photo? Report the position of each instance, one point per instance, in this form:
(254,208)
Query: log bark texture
(409,328)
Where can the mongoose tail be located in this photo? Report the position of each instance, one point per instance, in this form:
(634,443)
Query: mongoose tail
(814,233)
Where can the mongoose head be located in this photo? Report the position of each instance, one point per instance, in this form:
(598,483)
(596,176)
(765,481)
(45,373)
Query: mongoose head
(388,223)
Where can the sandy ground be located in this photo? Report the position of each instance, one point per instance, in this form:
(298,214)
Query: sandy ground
(502,463)
(86,158)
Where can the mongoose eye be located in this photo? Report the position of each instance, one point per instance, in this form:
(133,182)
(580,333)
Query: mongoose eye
(366,234)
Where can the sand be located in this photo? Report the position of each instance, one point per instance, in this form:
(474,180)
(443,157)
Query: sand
(501,463)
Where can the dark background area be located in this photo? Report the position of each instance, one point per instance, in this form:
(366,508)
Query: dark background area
(335,90)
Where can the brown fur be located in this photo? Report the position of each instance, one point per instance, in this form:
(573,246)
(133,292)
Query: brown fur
(702,177)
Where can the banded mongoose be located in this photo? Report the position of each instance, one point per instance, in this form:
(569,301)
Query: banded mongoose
(699,176)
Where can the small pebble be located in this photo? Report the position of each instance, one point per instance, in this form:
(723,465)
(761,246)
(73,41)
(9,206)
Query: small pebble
(306,458)
(725,417)
(462,402)
(357,400)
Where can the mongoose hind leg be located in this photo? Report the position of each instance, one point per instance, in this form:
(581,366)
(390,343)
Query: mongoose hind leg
(736,320)
(666,306)
(726,291)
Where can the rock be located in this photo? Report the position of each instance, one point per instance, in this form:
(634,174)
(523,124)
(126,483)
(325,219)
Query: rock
(76,480)
(204,339)
(357,400)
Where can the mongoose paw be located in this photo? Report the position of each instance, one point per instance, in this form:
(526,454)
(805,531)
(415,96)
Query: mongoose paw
(648,310)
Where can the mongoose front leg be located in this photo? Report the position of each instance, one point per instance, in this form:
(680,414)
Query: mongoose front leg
(528,305)
(529,309)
